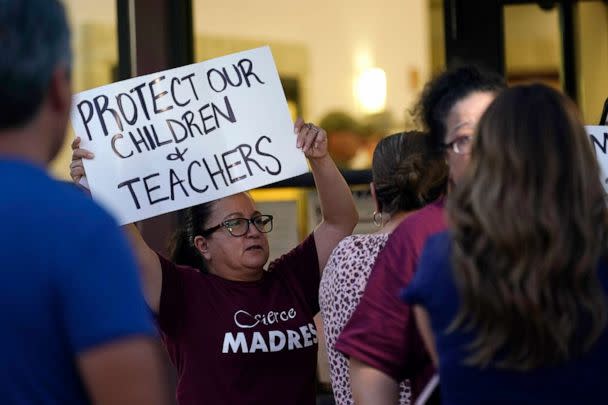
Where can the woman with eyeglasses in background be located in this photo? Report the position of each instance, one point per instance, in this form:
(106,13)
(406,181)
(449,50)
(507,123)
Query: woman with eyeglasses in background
(381,339)
(236,332)
(513,300)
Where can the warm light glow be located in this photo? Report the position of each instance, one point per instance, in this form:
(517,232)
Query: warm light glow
(371,90)
(363,58)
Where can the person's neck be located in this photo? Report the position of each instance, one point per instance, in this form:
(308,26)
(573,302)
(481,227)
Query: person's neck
(247,275)
(24,144)
(394,221)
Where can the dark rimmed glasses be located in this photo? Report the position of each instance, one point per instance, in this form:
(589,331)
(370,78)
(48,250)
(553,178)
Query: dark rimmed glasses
(240,226)
(461,145)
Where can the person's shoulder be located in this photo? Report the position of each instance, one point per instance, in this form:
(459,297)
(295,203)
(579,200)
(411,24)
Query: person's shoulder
(433,275)
(431,215)
(48,201)
(304,254)
(73,206)
(439,243)
(361,241)
(358,247)
(421,224)
(437,252)
(70,220)
(182,270)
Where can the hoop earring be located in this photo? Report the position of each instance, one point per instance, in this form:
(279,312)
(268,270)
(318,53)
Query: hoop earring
(377,219)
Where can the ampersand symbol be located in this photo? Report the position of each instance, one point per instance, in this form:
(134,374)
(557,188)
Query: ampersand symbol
(177,155)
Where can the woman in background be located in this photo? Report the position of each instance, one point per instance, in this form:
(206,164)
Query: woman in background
(405,178)
(381,338)
(513,300)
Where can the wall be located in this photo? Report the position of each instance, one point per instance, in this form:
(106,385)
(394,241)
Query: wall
(336,39)
(342,38)
(592,59)
(531,39)
(437,36)
(95,46)
(339,38)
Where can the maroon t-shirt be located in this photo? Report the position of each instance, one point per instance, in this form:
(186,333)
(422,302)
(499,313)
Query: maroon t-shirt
(382,331)
(243,342)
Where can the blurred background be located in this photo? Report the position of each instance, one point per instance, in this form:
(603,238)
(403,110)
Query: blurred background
(355,66)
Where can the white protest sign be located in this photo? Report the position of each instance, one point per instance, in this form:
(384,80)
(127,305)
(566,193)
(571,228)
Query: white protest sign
(598,135)
(184,136)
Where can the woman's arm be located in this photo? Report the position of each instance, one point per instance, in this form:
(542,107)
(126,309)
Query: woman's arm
(371,386)
(424,326)
(339,214)
(149,263)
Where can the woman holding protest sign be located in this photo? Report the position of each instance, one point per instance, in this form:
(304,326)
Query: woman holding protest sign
(236,332)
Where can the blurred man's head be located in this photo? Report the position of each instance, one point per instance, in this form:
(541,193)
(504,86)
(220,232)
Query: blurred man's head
(35,93)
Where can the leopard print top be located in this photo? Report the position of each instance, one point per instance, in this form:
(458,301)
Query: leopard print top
(342,286)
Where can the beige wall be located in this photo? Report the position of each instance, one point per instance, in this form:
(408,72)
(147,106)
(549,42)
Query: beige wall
(592,59)
(334,41)
(531,39)
(437,36)
(95,46)
(327,43)
(341,38)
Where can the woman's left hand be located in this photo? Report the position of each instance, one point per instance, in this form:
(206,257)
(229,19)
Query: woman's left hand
(311,139)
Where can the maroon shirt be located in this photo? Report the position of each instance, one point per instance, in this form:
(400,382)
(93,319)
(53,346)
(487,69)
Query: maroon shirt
(382,331)
(243,342)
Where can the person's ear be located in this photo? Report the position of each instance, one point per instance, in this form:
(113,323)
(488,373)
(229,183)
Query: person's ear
(201,244)
(60,91)
(372,189)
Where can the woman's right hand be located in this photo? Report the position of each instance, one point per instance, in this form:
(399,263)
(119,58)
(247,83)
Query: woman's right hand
(76,167)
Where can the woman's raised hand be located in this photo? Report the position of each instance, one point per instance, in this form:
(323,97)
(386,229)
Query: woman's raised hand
(76,167)
(311,139)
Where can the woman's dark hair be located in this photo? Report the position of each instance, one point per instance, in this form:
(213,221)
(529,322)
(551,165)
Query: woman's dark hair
(191,222)
(445,90)
(530,224)
(406,174)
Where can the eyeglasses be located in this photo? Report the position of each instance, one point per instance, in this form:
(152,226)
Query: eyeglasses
(240,226)
(461,145)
